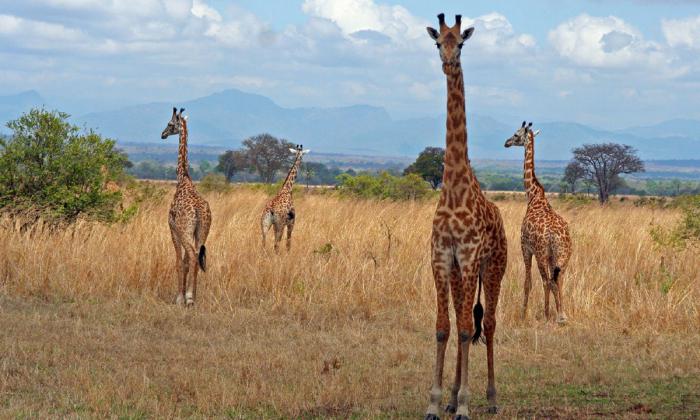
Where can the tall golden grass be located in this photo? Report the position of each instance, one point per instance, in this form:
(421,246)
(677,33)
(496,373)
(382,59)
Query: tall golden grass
(358,276)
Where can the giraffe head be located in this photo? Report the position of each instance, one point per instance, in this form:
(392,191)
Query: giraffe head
(175,124)
(450,40)
(522,136)
(298,151)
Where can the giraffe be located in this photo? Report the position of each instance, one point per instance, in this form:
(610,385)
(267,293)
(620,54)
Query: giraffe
(544,233)
(279,212)
(468,242)
(189,218)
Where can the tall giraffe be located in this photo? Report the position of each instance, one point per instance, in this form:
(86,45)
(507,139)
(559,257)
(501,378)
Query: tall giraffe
(544,233)
(189,218)
(468,241)
(279,212)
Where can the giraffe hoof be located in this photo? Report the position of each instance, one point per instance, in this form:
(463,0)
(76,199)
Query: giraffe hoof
(450,409)
(562,320)
(462,417)
(432,417)
(493,409)
(179,300)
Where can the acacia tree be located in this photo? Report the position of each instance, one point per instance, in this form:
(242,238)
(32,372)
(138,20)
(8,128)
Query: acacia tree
(572,174)
(267,154)
(429,165)
(232,162)
(603,164)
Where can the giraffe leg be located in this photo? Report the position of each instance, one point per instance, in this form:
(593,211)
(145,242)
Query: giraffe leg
(279,230)
(265,223)
(457,301)
(466,329)
(542,266)
(192,267)
(185,273)
(442,262)
(290,227)
(493,274)
(557,285)
(527,258)
(180,299)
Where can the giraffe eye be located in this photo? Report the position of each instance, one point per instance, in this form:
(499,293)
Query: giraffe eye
(460,45)
(437,44)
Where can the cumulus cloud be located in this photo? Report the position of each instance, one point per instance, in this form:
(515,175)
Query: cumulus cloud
(606,42)
(682,32)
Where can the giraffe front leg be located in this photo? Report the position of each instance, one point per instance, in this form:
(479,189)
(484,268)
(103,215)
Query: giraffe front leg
(465,327)
(441,264)
(493,276)
(457,301)
(180,298)
(265,223)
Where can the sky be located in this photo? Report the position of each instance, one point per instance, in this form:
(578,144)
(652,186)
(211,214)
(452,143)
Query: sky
(606,63)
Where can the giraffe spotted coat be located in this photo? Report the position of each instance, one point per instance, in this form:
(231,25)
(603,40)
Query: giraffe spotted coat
(544,233)
(468,243)
(189,218)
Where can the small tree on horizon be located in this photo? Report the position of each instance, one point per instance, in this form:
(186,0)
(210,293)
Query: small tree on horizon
(267,155)
(603,163)
(429,165)
(231,162)
(572,174)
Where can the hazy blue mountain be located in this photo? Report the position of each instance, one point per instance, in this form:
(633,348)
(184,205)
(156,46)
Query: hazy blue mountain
(224,119)
(12,106)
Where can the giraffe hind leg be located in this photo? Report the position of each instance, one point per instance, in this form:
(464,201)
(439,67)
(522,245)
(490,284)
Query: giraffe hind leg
(265,224)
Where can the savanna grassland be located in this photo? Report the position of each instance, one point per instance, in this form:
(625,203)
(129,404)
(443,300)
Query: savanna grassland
(343,325)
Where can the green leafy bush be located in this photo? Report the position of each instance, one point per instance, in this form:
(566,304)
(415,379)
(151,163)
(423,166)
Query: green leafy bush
(385,186)
(687,231)
(55,168)
(214,182)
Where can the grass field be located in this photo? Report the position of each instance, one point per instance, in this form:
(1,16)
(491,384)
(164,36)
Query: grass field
(340,327)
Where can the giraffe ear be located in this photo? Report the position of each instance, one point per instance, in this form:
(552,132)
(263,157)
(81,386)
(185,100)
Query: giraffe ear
(433,33)
(536,133)
(467,34)
(292,150)
(185,117)
(306,151)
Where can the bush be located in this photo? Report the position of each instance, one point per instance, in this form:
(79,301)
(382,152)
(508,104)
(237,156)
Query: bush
(687,231)
(52,167)
(384,186)
(214,182)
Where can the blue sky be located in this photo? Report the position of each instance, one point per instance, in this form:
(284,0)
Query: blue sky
(608,63)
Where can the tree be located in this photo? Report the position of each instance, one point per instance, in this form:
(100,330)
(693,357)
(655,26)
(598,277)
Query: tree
(232,162)
(267,155)
(429,165)
(52,166)
(573,172)
(603,164)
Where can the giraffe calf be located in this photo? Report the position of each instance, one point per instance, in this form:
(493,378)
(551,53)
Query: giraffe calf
(544,233)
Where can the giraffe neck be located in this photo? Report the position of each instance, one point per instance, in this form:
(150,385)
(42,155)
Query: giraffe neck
(183,171)
(532,185)
(291,176)
(457,168)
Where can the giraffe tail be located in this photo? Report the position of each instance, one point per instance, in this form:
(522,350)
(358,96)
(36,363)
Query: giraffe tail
(203,258)
(555,274)
(478,315)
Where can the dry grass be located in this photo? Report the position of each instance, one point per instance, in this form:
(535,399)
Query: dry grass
(340,327)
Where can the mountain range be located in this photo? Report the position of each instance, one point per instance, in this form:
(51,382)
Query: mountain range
(226,118)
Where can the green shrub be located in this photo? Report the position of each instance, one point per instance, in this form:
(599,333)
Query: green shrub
(687,231)
(384,186)
(214,182)
(575,200)
(53,167)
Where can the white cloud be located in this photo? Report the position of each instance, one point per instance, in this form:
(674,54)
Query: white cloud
(682,32)
(606,42)
(494,33)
